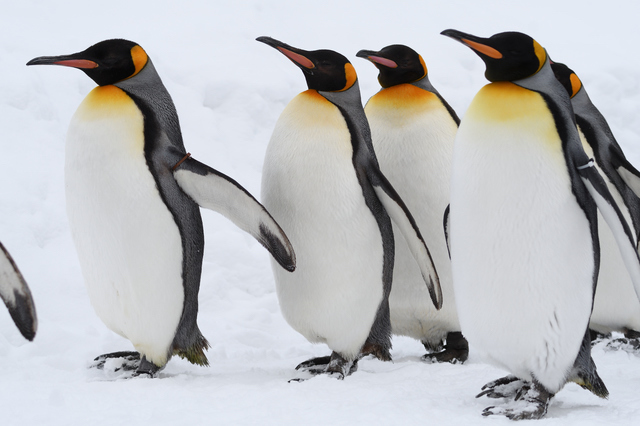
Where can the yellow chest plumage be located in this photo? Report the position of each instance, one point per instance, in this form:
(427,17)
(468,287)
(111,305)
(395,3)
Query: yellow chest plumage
(510,106)
(403,101)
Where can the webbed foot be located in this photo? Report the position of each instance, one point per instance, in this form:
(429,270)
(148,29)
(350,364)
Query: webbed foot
(130,361)
(456,350)
(531,402)
(505,387)
(629,343)
(126,361)
(334,366)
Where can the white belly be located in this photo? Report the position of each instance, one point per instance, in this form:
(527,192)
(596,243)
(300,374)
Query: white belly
(522,254)
(616,305)
(413,137)
(128,244)
(310,187)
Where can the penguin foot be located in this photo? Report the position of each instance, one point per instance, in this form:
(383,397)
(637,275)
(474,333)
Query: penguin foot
(130,361)
(340,367)
(505,387)
(624,344)
(454,356)
(314,363)
(597,337)
(147,369)
(334,366)
(456,350)
(531,402)
(631,334)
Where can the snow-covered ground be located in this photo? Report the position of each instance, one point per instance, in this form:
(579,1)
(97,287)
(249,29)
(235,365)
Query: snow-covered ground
(229,91)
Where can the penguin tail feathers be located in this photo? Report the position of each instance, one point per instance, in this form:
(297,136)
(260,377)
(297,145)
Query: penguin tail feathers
(593,384)
(195,353)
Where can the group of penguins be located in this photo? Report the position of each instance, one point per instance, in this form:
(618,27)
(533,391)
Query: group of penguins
(500,228)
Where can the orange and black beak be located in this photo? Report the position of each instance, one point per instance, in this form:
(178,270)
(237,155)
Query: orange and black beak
(376,58)
(297,56)
(74,61)
(480,45)
(509,56)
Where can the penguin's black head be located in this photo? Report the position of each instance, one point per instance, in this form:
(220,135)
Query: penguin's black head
(398,64)
(324,70)
(105,63)
(508,56)
(567,77)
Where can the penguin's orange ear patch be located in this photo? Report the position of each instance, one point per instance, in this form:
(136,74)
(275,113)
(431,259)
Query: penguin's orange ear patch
(541,54)
(139,57)
(350,74)
(424,66)
(78,63)
(483,48)
(576,84)
(296,57)
(383,61)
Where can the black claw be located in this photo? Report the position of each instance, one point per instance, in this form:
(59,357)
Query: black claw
(129,355)
(487,411)
(314,362)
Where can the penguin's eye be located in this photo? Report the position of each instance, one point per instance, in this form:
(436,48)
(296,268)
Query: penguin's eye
(325,64)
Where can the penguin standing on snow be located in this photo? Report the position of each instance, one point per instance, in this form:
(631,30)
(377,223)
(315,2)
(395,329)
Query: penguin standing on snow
(523,228)
(413,129)
(322,182)
(133,197)
(616,307)
(16,295)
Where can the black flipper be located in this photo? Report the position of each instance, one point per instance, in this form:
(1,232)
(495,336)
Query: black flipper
(16,295)
(401,216)
(218,192)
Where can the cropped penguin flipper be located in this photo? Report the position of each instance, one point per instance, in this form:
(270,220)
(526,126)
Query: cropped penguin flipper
(629,174)
(218,192)
(446,223)
(401,216)
(16,295)
(613,216)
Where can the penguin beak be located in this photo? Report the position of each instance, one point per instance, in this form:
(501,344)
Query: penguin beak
(478,44)
(74,61)
(297,56)
(375,57)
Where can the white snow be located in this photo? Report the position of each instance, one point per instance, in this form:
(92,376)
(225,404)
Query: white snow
(229,90)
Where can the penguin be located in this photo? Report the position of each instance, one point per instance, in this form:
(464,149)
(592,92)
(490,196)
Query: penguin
(133,195)
(16,295)
(322,183)
(523,228)
(615,306)
(413,129)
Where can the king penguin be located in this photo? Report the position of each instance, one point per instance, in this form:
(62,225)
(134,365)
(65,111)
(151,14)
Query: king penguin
(133,197)
(523,228)
(413,129)
(16,295)
(615,308)
(322,182)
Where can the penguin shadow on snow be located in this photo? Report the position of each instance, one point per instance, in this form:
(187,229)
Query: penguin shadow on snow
(133,199)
